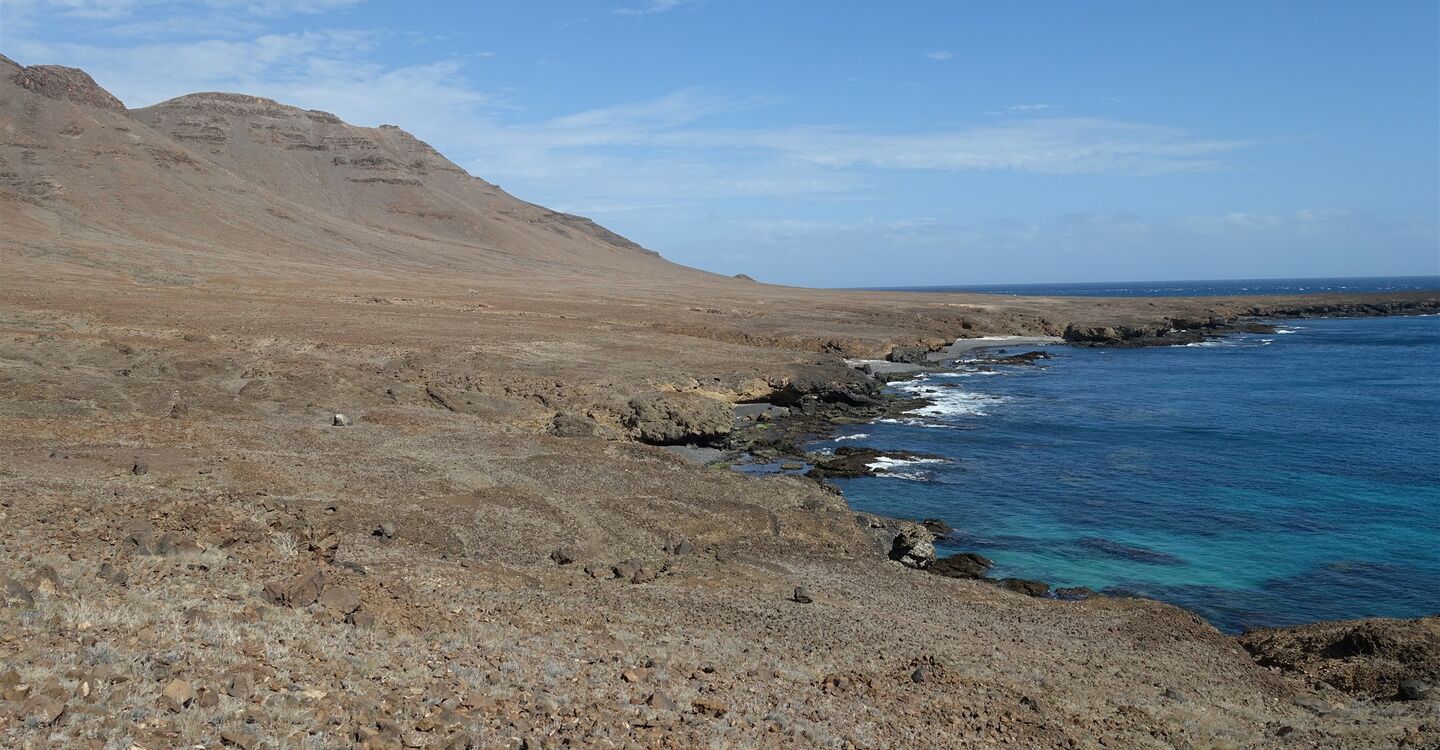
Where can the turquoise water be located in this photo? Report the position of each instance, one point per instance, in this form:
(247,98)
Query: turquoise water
(1258,480)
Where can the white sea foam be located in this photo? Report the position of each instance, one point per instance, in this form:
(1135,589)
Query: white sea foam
(1287,330)
(892,467)
(965,373)
(856,436)
(948,402)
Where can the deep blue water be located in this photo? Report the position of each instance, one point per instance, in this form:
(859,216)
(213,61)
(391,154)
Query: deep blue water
(1259,480)
(1227,288)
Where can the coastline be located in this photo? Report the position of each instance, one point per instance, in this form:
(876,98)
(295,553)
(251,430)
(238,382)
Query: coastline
(857,459)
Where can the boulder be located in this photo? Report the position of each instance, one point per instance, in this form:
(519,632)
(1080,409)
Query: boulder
(178,695)
(564,555)
(298,591)
(1412,690)
(961,565)
(665,418)
(14,594)
(802,595)
(341,420)
(913,546)
(341,599)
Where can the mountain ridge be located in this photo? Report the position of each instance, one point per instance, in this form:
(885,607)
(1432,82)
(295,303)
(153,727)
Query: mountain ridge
(241,178)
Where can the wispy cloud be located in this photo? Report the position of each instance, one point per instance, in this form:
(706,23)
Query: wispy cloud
(1023,109)
(940,54)
(650,8)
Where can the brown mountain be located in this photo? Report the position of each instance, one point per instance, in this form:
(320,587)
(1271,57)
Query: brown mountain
(233,179)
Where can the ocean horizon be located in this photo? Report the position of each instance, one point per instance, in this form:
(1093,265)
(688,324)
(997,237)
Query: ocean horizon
(1194,288)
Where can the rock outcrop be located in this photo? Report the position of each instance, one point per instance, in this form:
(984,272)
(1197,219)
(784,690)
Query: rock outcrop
(1370,658)
(666,418)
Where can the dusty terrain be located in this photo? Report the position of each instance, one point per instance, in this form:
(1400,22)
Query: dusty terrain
(194,554)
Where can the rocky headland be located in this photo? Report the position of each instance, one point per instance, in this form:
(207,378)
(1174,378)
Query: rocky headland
(312,439)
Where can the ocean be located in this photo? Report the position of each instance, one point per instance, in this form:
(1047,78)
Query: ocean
(1222,288)
(1258,480)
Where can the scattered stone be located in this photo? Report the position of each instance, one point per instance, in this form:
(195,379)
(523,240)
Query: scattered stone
(385,530)
(139,467)
(643,575)
(141,535)
(680,548)
(298,591)
(240,737)
(341,420)
(661,701)
(563,555)
(239,685)
(361,620)
(341,599)
(802,595)
(921,674)
(1171,693)
(626,569)
(14,594)
(108,572)
(1412,690)
(178,695)
(42,710)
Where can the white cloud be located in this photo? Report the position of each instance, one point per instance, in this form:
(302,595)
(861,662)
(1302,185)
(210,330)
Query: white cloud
(651,7)
(940,54)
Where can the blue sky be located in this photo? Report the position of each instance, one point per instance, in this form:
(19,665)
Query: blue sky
(863,143)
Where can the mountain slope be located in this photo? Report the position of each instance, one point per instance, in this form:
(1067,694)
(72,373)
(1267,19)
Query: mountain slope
(225,182)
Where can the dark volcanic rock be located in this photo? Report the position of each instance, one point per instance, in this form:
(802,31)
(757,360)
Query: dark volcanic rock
(831,385)
(1024,586)
(937,526)
(1077,593)
(851,461)
(1370,658)
(962,565)
(910,355)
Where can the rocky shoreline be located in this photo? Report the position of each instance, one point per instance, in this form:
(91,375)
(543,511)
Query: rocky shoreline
(1325,652)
